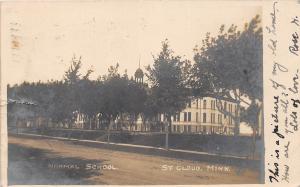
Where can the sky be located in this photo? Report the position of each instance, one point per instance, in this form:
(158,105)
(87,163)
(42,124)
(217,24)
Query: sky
(41,38)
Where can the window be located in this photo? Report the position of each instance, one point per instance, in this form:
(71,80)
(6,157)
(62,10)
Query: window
(184,116)
(190,104)
(230,108)
(196,116)
(197,103)
(184,128)
(212,105)
(204,117)
(178,117)
(189,116)
(204,104)
(230,121)
(212,118)
(225,106)
(174,128)
(220,118)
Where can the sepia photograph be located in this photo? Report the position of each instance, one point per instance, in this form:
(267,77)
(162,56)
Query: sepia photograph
(134,92)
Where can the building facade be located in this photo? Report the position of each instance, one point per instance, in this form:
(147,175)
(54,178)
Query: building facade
(203,115)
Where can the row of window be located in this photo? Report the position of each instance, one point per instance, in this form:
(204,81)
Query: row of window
(187,117)
(213,105)
(202,128)
(212,118)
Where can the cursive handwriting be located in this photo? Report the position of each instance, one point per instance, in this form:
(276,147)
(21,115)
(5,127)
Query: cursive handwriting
(274,173)
(286,175)
(294,48)
(272,29)
(286,150)
(294,122)
(280,67)
(295,20)
(296,83)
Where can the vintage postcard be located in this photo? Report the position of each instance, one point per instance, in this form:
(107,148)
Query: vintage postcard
(150,93)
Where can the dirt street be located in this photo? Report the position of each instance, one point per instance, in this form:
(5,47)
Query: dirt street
(49,161)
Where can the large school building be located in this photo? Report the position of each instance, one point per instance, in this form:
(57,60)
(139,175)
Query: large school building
(202,115)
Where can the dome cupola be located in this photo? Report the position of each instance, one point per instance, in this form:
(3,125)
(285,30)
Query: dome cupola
(139,75)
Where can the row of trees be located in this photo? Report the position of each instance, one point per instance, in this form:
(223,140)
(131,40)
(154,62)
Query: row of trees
(227,65)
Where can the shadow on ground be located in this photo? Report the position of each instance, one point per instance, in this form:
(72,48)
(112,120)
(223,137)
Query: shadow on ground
(31,166)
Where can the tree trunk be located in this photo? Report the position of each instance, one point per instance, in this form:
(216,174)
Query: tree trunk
(108,132)
(256,132)
(47,123)
(17,125)
(262,152)
(167,129)
(167,137)
(108,129)
(237,121)
(90,123)
(253,142)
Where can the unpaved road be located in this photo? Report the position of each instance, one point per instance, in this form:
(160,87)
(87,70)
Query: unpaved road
(49,161)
